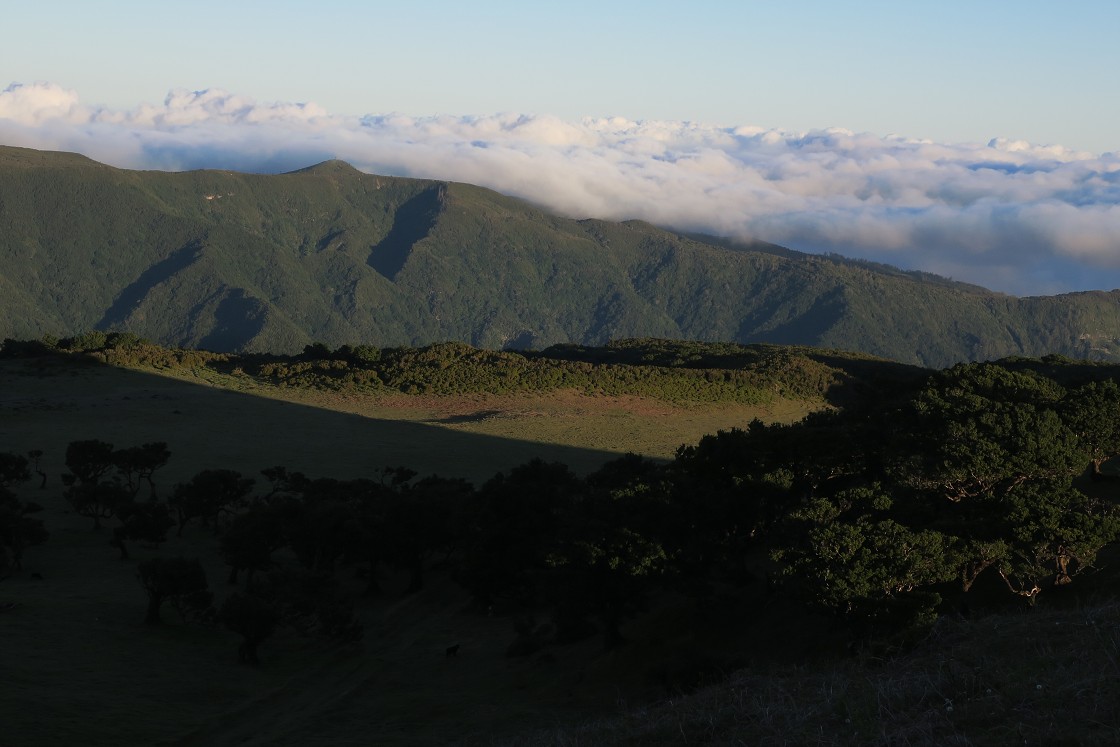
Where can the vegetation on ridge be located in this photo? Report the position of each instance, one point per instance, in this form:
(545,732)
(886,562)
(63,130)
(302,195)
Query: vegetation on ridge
(243,262)
(666,370)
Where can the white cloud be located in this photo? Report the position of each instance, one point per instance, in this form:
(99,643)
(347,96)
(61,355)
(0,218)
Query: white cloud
(1016,216)
(32,105)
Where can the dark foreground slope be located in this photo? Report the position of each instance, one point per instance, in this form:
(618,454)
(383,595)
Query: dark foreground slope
(775,551)
(232,261)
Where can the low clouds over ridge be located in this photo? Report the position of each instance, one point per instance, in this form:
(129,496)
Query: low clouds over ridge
(1010,215)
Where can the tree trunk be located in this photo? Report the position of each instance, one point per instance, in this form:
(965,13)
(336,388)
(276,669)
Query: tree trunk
(1062,576)
(972,570)
(416,581)
(154,603)
(247,652)
(232,575)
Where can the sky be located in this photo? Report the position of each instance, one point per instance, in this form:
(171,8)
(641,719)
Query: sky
(978,140)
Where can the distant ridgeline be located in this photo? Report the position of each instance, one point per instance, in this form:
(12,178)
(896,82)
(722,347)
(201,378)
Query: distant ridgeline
(244,262)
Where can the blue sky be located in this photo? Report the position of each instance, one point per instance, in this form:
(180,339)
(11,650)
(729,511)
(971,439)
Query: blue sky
(1038,71)
(978,83)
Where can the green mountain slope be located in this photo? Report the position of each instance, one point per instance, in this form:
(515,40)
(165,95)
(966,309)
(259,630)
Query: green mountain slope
(232,261)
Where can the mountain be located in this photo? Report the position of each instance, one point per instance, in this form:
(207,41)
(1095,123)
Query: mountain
(248,262)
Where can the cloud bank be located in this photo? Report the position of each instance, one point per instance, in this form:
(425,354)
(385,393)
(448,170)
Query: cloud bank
(1009,215)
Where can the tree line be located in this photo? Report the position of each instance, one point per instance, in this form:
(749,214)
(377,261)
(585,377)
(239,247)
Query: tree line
(670,370)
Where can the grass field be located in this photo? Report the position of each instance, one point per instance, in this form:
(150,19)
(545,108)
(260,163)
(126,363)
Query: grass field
(79,667)
(1033,677)
(211,420)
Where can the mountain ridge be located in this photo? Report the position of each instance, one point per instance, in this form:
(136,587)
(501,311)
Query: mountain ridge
(254,262)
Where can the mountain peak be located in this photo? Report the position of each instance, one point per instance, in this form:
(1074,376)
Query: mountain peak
(332,166)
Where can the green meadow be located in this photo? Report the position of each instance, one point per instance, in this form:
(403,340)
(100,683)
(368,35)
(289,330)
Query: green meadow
(214,420)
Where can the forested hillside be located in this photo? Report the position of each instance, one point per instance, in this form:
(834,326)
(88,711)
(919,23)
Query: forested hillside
(229,261)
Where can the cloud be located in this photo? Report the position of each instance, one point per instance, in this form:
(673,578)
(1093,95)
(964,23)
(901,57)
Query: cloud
(1015,216)
(44,102)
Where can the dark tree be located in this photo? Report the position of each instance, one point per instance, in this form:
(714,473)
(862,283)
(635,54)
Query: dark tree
(608,554)
(11,348)
(92,494)
(992,462)
(850,557)
(974,475)
(146,522)
(514,523)
(283,483)
(729,491)
(35,455)
(370,538)
(169,579)
(424,519)
(253,618)
(1092,412)
(88,461)
(139,463)
(317,530)
(251,539)
(18,530)
(208,494)
(13,469)
(316,351)
(98,500)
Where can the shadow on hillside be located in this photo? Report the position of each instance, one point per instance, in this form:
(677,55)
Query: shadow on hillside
(136,291)
(47,405)
(807,328)
(869,380)
(413,221)
(237,320)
